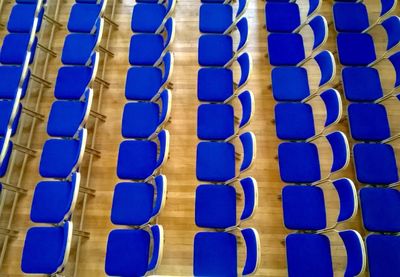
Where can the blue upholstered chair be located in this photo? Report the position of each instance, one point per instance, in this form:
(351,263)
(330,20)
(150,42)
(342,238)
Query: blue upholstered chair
(137,204)
(216,205)
(15,48)
(134,252)
(216,253)
(83,16)
(12,79)
(23,15)
(383,255)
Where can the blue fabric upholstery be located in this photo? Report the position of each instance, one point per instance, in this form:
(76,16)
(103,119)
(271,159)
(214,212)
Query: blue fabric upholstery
(386,6)
(158,240)
(72,81)
(395,60)
(285,49)
(296,90)
(333,106)
(392,28)
(83,17)
(140,119)
(147,18)
(327,66)
(250,190)
(215,18)
(246,99)
(350,17)
(347,197)
(319,27)
(6,108)
(215,50)
(383,255)
(214,84)
(215,121)
(250,236)
(340,150)
(143,83)
(10,77)
(78,48)
(248,141)
(161,189)
(313,6)
(282,17)
(145,49)
(65,118)
(355,49)
(21,18)
(15,47)
(361,84)
(354,245)
(5,163)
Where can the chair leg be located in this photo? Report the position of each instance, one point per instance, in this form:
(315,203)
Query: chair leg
(8,232)
(104,50)
(87,190)
(40,80)
(99,116)
(93,152)
(82,234)
(47,50)
(52,21)
(25,150)
(33,113)
(13,188)
(102,82)
(110,21)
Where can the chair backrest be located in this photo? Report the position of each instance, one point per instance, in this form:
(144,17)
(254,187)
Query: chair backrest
(327,66)
(87,98)
(333,106)
(248,141)
(75,183)
(340,150)
(157,233)
(103,4)
(6,146)
(253,251)
(95,60)
(246,63)
(395,60)
(168,61)
(250,190)
(82,136)
(242,7)
(314,6)
(170,8)
(392,28)
(387,6)
(246,99)
(67,241)
(319,27)
(356,254)
(243,28)
(163,138)
(347,197)
(166,104)
(170,29)
(98,31)
(160,183)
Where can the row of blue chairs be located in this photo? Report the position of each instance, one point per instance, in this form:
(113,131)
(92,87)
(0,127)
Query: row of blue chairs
(138,200)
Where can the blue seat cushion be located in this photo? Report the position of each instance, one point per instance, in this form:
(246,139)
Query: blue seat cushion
(215,206)
(361,84)
(215,161)
(299,162)
(308,255)
(72,81)
(214,84)
(6,161)
(83,17)
(215,121)
(140,119)
(368,122)
(6,108)
(282,17)
(65,118)
(10,77)
(350,17)
(145,49)
(132,204)
(215,254)
(215,50)
(296,90)
(294,121)
(285,49)
(59,157)
(147,18)
(355,49)
(78,48)
(383,255)
(15,47)
(127,253)
(142,83)
(303,207)
(375,164)
(215,18)
(380,209)
(21,18)
(136,160)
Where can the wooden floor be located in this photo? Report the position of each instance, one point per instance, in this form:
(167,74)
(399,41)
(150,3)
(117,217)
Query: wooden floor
(178,216)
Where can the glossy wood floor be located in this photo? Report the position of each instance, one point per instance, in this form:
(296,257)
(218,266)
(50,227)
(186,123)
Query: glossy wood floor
(178,215)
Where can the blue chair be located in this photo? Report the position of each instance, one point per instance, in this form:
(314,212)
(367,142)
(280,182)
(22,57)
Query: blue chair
(12,79)
(215,205)
(296,121)
(219,122)
(299,162)
(218,18)
(217,50)
(304,207)
(46,249)
(10,113)
(15,48)
(129,251)
(311,255)
(22,17)
(61,157)
(216,161)
(137,204)
(141,159)
(54,201)
(149,49)
(217,84)
(290,49)
(144,83)
(216,253)
(151,17)
(298,89)
(83,16)
(146,119)
(383,255)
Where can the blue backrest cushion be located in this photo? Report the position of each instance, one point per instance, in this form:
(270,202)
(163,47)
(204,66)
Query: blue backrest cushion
(340,150)
(250,236)
(347,197)
(333,106)
(327,66)
(355,252)
(392,28)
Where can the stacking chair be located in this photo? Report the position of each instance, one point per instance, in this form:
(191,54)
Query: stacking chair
(216,205)
(146,119)
(141,159)
(15,47)
(291,49)
(137,204)
(218,18)
(311,254)
(151,17)
(22,17)
(218,50)
(296,121)
(11,78)
(133,252)
(217,84)
(144,83)
(383,255)
(216,161)
(299,161)
(304,207)
(215,253)
(46,249)
(149,49)
(83,16)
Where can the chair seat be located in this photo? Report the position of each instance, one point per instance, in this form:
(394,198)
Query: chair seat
(361,84)
(6,161)
(299,162)
(303,208)
(383,255)
(136,160)
(72,82)
(78,49)
(10,77)
(147,18)
(15,47)
(145,49)
(368,122)
(380,209)
(285,49)
(65,118)
(215,206)
(295,90)
(215,161)
(294,121)
(83,17)
(215,254)
(215,50)
(143,83)
(6,108)
(215,121)
(375,164)
(214,84)
(21,18)
(355,49)
(140,120)
(282,17)
(215,18)
(350,17)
